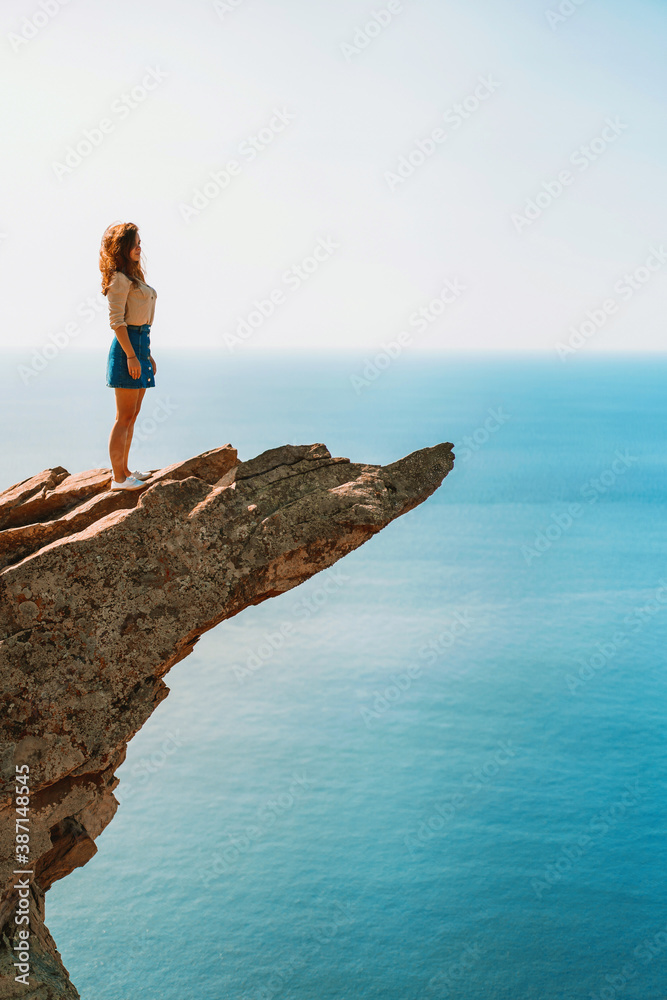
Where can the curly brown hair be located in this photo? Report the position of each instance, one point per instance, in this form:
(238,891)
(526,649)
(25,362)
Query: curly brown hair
(117,241)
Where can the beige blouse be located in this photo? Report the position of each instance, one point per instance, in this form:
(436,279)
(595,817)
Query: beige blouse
(130,303)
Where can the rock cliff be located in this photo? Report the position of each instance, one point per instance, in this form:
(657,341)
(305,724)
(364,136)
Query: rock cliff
(102,592)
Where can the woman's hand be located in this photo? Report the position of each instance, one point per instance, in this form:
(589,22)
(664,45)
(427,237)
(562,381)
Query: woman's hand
(133,367)
(150,358)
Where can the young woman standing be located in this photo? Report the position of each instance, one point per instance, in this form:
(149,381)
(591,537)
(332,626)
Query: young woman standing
(130,365)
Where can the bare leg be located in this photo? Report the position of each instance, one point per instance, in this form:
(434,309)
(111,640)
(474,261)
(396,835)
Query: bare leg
(126,410)
(130,430)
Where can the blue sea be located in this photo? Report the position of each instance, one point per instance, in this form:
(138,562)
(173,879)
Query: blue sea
(436,770)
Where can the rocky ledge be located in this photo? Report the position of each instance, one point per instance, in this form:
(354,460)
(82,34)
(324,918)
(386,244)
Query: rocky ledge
(102,592)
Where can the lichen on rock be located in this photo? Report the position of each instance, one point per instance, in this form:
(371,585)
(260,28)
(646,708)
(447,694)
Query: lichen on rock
(102,592)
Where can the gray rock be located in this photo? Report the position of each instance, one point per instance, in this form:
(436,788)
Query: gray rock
(102,592)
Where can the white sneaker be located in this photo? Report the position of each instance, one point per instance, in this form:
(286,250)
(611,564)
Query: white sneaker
(130,484)
(141,475)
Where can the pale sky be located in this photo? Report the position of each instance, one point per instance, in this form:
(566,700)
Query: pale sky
(337,96)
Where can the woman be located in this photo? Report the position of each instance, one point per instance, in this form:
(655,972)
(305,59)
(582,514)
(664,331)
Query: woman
(130,365)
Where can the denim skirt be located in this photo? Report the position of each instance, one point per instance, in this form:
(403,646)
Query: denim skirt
(118,376)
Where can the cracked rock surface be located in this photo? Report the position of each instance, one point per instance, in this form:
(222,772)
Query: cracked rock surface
(102,592)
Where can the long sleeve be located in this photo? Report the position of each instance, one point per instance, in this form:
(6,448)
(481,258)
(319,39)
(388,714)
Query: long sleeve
(117,293)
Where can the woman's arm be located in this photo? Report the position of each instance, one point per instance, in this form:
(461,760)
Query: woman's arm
(133,366)
(117,293)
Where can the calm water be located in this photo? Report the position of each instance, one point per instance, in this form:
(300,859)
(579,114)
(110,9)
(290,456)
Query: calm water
(441,775)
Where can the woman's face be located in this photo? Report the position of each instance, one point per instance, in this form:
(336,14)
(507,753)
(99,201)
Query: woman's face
(135,252)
